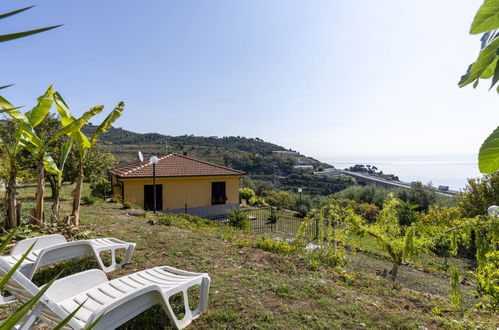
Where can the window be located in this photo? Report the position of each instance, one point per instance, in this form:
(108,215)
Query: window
(218,193)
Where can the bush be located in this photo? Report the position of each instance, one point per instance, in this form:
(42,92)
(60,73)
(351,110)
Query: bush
(246,194)
(101,188)
(88,200)
(272,245)
(238,219)
(478,195)
(127,205)
(165,220)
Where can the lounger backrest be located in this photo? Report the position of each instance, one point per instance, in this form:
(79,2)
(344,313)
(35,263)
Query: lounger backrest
(23,289)
(40,243)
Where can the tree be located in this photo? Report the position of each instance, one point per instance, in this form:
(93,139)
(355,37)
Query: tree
(83,144)
(478,195)
(400,242)
(23,137)
(485,67)
(57,180)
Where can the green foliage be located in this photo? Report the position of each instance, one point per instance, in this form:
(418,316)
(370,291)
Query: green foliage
(330,258)
(101,188)
(238,219)
(246,194)
(487,278)
(455,295)
(364,194)
(17,35)
(420,195)
(488,156)
(165,220)
(400,242)
(407,213)
(276,246)
(127,206)
(281,199)
(485,67)
(273,218)
(88,200)
(478,195)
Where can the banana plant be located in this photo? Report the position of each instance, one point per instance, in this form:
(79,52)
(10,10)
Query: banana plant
(83,144)
(65,150)
(37,147)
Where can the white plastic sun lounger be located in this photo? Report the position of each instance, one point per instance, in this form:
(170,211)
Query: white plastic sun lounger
(55,248)
(118,300)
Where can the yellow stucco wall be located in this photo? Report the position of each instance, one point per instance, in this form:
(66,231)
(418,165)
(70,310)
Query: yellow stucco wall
(193,191)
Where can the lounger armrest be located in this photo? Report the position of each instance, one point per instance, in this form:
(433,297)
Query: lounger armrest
(61,252)
(181,272)
(72,285)
(41,242)
(151,294)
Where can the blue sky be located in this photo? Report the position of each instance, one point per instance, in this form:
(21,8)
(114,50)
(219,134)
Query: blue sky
(332,79)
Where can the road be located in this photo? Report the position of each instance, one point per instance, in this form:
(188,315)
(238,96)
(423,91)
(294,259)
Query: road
(393,183)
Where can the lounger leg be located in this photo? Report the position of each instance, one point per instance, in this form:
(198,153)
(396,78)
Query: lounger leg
(31,317)
(203,297)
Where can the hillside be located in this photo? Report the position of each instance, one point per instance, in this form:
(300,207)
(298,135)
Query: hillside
(267,165)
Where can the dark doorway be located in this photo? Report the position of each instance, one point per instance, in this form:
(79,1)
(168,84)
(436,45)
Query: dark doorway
(149,197)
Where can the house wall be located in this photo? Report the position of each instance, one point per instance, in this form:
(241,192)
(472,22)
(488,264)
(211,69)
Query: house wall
(179,191)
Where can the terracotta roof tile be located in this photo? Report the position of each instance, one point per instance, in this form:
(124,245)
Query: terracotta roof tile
(172,165)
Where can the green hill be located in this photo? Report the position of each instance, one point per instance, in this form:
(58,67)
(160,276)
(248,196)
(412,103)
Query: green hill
(265,168)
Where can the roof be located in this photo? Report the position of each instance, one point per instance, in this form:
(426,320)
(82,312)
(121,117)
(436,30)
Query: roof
(172,165)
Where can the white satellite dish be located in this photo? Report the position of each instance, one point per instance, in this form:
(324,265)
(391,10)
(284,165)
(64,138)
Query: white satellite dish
(141,157)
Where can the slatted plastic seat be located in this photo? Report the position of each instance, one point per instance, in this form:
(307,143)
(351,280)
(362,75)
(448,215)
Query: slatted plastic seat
(51,249)
(119,300)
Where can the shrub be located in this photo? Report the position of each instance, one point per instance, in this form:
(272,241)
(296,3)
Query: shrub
(238,219)
(88,200)
(272,245)
(246,194)
(113,200)
(165,220)
(101,188)
(127,205)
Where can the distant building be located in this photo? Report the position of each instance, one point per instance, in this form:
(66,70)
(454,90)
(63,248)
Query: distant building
(304,167)
(287,153)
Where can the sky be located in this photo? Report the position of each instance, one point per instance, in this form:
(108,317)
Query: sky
(332,79)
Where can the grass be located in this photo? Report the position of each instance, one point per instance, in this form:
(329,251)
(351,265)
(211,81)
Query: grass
(253,288)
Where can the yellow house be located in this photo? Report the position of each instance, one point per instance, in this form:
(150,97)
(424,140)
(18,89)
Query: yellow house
(183,185)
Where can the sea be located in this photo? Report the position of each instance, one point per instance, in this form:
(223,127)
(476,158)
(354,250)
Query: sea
(451,171)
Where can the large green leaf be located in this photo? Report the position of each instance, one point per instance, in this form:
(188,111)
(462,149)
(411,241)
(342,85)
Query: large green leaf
(8,239)
(50,165)
(12,36)
(40,111)
(24,309)
(12,111)
(487,17)
(488,157)
(9,274)
(108,122)
(14,12)
(63,109)
(486,58)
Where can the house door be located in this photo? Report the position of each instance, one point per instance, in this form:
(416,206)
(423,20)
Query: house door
(149,197)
